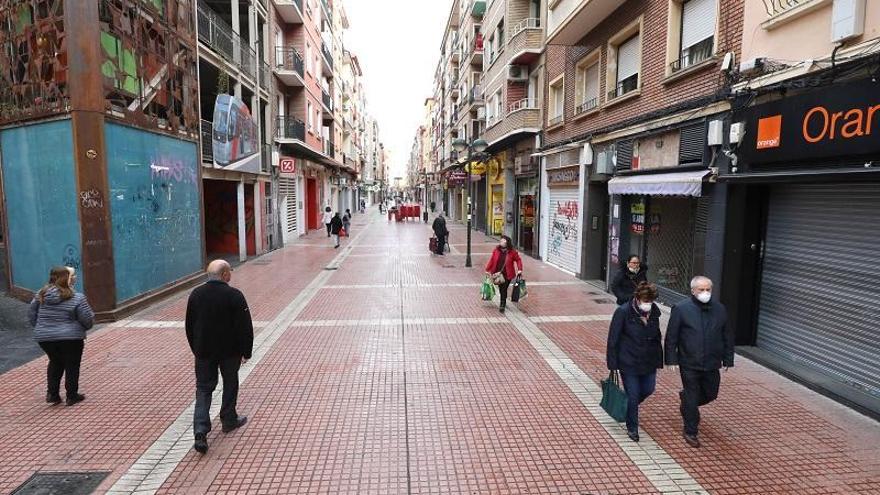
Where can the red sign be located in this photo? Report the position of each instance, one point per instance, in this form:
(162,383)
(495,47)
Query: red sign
(287,166)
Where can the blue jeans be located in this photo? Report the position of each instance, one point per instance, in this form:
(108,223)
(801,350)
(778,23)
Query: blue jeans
(638,388)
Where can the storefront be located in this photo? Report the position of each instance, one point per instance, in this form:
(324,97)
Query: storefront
(801,274)
(525,233)
(561,207)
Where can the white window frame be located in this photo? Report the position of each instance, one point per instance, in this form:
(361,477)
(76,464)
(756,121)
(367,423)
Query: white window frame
(675,38)
(557,108)
(635,28)
(593,59)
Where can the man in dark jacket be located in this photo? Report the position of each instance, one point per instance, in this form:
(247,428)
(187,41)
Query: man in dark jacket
(440,232)
(336,227)
(628,277)
(221,335)
(699,342)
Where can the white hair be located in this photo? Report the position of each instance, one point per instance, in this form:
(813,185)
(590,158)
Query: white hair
(698,279)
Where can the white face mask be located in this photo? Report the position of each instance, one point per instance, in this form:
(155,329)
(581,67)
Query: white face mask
(646,307)
(704,297)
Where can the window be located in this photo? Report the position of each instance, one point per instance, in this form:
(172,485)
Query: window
(587,84)
(625,50)
(500,35)
(557,101)
(697,34)
(309,115)
(499,109)
(308,57)
(490,50)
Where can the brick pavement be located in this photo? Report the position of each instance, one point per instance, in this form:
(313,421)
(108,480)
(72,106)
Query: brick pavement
(413,385)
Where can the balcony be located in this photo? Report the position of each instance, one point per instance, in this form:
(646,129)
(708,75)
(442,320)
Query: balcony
(694,55)
(570,20)
(330,148)
(289,66)
(475,55)
(327,101)
(207,133)
(587,106)
(626,86)
(290,128)
(291,11)
(478,9)
(523,117)
(475,95)
(526,42)
(218,36)
(327,59)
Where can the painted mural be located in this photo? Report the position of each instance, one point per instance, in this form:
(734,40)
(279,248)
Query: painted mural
(41,201)
(154,204)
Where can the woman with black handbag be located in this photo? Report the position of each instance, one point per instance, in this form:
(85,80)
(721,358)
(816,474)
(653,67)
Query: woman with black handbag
(504,266)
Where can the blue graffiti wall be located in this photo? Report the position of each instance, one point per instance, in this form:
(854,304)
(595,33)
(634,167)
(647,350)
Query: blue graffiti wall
(41,208)
(154,204)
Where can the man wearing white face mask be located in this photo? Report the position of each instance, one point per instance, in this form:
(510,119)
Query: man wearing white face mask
(699,342)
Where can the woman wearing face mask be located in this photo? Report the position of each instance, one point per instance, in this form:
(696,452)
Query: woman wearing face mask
(60,317)
(628,278)
(504,266)
(634,349)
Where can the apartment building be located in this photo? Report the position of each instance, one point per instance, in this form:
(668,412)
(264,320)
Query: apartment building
(804,193)
(633,87)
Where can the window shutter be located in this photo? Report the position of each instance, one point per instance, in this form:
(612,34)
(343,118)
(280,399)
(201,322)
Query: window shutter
(628,58)
(697,22)
(591,86)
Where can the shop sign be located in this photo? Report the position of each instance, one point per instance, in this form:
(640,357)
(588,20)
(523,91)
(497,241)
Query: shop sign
(476,168)
(842,120)
(569,176)
(287,165)
(637,220)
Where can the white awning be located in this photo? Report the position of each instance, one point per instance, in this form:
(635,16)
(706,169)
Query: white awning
(674,184)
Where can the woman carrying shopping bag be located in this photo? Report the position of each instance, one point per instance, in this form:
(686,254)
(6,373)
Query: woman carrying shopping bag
(504,266)
(634,349)
(60,317)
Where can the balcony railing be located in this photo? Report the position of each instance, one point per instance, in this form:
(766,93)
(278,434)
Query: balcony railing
(214,32)
(528,23)
(555,120)
(524,104)
(587,105)
(328,101)
(475,94)
(287,58)
(694,54)
(623,87)
(290,128)
(265,74)
(207,128)
(327,56)
(776,7)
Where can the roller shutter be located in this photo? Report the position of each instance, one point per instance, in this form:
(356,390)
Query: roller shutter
(564,228)
(287,197)
(818,304)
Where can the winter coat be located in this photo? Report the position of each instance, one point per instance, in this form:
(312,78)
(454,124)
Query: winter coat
(698,336)
(54,319)
(512,263)
(439,227)
(218,322)
(335,225)
(327,217)
(625,282)
(634,347)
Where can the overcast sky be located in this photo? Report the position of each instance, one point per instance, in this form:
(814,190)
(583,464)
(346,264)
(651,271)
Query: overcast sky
(398,45)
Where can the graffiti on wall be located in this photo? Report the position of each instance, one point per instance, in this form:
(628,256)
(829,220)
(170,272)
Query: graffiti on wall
(33,58)
(154,208)
(564,225)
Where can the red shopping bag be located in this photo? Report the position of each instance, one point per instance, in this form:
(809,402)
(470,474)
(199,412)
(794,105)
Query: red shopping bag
(342,232)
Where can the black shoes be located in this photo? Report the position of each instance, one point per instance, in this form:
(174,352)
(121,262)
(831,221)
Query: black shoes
(502,308)
(692,440)
(241,421)
(633,435)
(53,398)
(201,443)
(75,399)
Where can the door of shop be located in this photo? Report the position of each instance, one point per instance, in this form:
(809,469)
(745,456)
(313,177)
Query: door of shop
(287,193)
(312,204)
(818,296)
(526,231)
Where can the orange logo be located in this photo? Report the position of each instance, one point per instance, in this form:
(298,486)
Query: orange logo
(769,132)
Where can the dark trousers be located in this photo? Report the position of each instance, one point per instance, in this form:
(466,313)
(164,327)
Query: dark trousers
(206,382)
(638,388)
(698,389)
(328,229)
(65,357)
(502,290)
(441,244)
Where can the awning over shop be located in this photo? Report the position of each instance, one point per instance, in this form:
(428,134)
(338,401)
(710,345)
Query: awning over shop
(674,184)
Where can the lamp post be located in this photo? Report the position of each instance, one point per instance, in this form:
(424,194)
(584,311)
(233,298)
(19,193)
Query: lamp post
(476,150)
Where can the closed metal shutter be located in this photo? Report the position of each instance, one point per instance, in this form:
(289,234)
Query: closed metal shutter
(564,227)
(287,197)
(818,303)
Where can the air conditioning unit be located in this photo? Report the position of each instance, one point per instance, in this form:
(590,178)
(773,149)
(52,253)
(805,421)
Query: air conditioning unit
(605,162)
(587,154)
(518,72)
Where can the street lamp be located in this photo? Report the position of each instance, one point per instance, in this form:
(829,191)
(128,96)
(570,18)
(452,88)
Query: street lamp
(474,150)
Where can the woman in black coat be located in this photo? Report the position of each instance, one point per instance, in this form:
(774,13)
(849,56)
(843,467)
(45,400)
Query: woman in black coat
(336,228)
(628,278)
(634,349)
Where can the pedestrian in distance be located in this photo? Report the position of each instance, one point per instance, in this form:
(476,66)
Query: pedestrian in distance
(346,222)
(503,267)
(60,317)
(328,216)
(335,228)
(698,343)
(221,336)
(441,233)
(628,278)
(636,351)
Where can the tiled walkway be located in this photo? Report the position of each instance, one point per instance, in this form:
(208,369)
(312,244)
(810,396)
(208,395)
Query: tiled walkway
(386,374)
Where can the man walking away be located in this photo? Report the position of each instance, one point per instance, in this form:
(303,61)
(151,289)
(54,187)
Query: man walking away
(328,216)
(440,232)
(346,222)
(335,229)
(221,335)
(699,342)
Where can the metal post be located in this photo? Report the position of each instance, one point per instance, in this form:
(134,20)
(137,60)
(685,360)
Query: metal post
(467,260)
